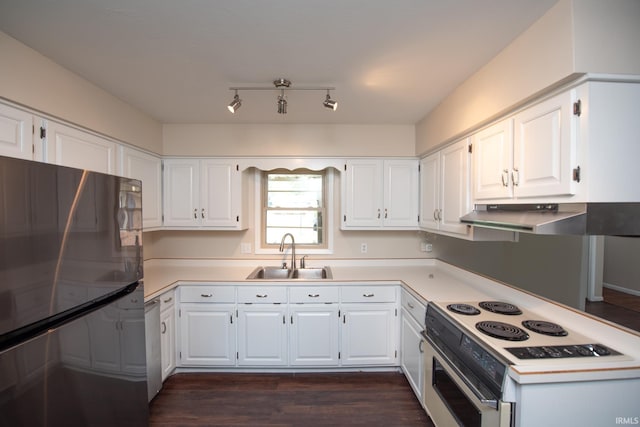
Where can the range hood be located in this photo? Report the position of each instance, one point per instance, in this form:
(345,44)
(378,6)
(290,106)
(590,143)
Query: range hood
(613,219)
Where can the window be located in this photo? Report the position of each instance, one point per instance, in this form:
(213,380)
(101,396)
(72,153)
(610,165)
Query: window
(294,202)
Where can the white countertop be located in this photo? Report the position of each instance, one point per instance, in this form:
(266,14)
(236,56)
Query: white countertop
(429,280)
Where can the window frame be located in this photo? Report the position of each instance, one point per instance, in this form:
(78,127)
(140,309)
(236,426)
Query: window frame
(261,247)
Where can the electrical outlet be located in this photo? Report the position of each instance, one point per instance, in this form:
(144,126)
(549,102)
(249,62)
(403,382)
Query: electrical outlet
(363,248)
(245,248)
(428,247)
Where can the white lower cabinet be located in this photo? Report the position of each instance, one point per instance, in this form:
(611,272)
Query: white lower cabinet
(207,334)
(314,334)
(368,334)
(167,333)
(411,352)
(262,335)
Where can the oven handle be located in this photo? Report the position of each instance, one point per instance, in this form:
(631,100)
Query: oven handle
(491,403)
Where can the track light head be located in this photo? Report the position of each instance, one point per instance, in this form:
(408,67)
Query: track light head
(235,104)
(330,103)
(282,104)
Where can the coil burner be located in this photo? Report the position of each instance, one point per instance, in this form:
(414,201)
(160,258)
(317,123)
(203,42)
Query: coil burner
(503,331)
(500,307)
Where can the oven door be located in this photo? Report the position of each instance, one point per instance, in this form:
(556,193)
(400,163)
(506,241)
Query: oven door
(451,402)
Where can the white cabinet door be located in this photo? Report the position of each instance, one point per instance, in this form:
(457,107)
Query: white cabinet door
(16,133)
(368,334)
(400,207)
(411,358)
(362,193)
(430,191)
(71,147)
(207,334)
(105,352)
(314,335)
(454,187)
(492,153)
(220,193)
(148,169)
(262,335)
(544,149)
(181,193)
(167,340)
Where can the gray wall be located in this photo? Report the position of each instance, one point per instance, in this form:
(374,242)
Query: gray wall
(554,267)
(622,264)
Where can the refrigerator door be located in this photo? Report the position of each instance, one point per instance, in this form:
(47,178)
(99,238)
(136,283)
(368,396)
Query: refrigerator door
(88,372)
(67,237)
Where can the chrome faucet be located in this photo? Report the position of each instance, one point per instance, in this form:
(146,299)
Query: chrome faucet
(293,249)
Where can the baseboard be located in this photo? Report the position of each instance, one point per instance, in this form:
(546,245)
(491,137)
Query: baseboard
(621,289)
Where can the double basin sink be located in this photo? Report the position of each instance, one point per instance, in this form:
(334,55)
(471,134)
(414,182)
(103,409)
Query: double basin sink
(279,273)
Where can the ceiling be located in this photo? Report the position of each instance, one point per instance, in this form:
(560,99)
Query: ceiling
(391,62)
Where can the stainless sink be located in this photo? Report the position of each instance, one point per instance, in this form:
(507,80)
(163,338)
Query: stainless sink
(279,273)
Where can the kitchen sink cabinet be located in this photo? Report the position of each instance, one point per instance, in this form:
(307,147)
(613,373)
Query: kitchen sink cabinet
(167,333)
(204,193)
(380,194)
(147,168)
(444,189)
(262,334)
(531,154)
(314,334)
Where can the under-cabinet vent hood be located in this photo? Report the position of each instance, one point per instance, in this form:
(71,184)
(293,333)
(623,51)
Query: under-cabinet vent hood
(613,219)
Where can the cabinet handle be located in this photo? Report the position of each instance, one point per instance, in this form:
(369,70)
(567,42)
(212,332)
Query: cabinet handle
(284,321)
(202,213)
(515,177)
(292,319)
(439,214)
(378,213)
(231,318)
(195,213)
(164,328)
(367,295)
(206,295)
(505,177)
(168,300)
(410,305)
(134,300)
(314,295)
(385,213)
(435,214)
(261,295)
(420,349)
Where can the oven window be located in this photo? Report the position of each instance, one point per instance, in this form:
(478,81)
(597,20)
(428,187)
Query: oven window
(459,405)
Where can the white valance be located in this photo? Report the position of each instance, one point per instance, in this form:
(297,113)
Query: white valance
(291,163)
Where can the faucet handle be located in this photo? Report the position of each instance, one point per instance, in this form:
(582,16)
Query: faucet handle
(302,263)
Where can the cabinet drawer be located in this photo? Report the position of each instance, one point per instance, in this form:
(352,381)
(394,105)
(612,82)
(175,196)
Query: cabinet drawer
(167,300)
(262,294)
(368,294)
(414,307)
(314,294)
(207,293)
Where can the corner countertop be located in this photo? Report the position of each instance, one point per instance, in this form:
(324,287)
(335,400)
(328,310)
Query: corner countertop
(428,280)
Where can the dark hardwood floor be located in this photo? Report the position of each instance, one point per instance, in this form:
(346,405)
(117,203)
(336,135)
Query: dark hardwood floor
(313,399)
(618,307)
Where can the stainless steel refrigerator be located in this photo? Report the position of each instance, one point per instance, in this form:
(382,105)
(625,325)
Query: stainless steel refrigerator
(72,335)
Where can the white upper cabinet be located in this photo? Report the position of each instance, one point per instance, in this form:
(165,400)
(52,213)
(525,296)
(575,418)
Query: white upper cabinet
(16,133)
(379,194)
(444,186)
(148,169)
(203,193)
(531,154)
(67,146)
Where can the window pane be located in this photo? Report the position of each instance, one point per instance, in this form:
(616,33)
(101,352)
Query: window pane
(294,190)
(305,226)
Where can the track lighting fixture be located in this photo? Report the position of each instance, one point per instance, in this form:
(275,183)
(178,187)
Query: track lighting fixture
(330,103)
(235,104)
(282,85)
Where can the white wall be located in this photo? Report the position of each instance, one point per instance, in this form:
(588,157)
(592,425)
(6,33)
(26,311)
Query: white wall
(539,57)
(31,79)
(288,140)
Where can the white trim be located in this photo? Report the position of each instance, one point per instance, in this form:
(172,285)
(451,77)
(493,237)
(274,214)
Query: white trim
(621,289)
(257,218)
(254,262)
